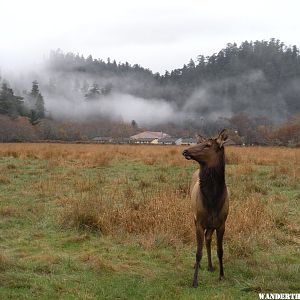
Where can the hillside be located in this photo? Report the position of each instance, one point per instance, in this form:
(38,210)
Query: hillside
(253,88)
(256,78)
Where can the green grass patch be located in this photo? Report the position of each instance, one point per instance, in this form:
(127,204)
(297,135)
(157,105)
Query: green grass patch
(42,259)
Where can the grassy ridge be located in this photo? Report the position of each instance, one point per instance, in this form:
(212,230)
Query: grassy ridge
(103,221)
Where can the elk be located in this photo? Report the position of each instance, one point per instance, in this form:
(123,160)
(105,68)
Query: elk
(209,195)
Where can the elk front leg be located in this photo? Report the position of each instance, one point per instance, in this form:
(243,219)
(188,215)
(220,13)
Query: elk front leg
(208,235)
(200,238)
(220,234)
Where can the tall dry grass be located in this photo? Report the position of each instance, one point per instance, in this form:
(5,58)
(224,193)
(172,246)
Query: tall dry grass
(151,154)
(151,211)
(262,155)
(167,214)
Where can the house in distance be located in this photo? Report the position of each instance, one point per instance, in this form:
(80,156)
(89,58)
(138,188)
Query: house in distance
(148,137)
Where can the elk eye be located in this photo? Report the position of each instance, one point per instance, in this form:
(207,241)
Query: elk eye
(206,146)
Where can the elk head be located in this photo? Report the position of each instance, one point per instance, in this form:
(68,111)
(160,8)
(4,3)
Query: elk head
(207,151)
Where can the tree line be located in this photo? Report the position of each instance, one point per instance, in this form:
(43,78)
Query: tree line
(253,88)
(260,74)
(32,107)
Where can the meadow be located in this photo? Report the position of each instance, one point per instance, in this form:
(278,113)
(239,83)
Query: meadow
(114,222)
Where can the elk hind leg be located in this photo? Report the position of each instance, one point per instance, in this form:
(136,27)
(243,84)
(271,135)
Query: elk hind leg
(208,236)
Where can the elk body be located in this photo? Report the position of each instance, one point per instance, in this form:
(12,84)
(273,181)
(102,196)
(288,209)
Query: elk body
(209,197)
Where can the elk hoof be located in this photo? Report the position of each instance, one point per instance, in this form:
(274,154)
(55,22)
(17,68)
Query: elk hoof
(221,278)
(195,284)
(210,269)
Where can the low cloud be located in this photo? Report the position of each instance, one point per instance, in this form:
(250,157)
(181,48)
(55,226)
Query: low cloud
(117,106)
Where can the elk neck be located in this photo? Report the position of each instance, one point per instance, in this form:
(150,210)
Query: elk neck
(212,183)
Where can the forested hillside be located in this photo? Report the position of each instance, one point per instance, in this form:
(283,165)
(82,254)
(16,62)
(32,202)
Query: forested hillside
(255,77)
(253,87)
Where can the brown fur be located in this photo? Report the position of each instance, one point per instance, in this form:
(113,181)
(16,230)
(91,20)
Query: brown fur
(209,197)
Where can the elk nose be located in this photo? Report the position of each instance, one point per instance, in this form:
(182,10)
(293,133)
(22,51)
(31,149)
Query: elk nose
(184,152)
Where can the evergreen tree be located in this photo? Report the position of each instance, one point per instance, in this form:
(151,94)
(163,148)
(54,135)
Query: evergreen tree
(10,104)
(134,124)
(93,93)
(35,89)
(191,64)
(4,102)
(36,100)
(33,117)
(40,106)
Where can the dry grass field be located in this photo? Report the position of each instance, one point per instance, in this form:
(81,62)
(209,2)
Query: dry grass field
(114,221)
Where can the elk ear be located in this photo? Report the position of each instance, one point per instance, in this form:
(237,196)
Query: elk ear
(200,139)
(222,138)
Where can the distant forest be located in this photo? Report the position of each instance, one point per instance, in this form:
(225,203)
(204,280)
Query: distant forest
(264,75)
(253,88)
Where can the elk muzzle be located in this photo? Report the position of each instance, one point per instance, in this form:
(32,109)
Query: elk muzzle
(186,154)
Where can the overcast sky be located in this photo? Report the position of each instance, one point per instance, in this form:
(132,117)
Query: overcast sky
(161,35)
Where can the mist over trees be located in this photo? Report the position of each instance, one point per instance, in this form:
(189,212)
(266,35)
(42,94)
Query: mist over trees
(261,77)
(253,88)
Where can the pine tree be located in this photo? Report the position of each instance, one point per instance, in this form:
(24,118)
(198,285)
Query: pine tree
(10,104)
(40,106)
(134,124)
(35,89)
(33,117)
(36,100)
(4,103)
(93,93)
